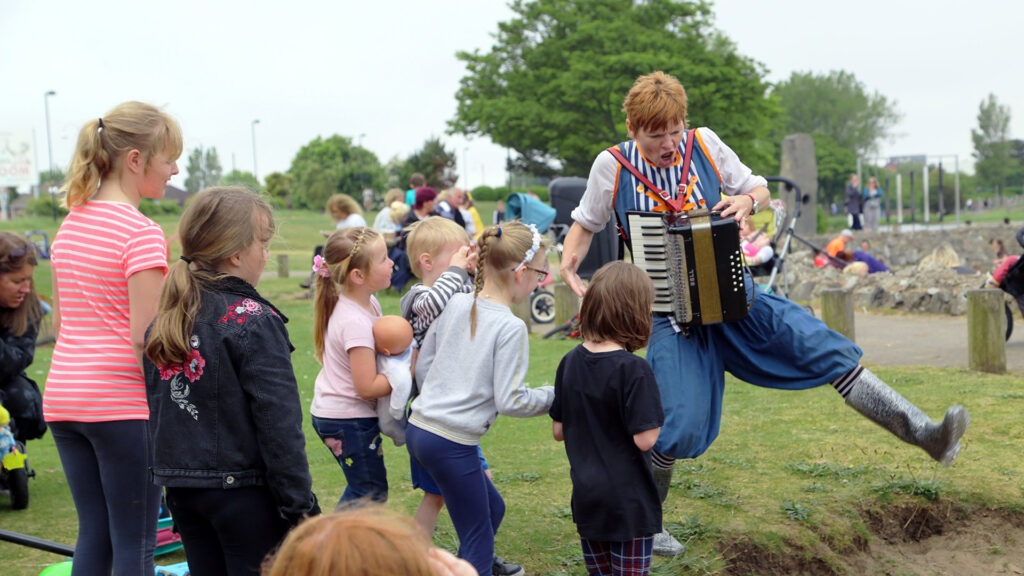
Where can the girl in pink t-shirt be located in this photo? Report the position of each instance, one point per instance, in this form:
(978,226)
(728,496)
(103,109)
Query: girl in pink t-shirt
(109,262)
(354,265)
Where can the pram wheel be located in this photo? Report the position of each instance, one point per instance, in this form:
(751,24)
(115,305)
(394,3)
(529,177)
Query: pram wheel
(542,306)
(17,483)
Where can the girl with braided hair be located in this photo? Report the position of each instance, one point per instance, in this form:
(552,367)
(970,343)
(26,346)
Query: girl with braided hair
(471,367)
(354,265)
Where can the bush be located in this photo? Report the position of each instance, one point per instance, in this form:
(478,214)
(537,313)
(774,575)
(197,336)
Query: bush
(152,208)
(43,206)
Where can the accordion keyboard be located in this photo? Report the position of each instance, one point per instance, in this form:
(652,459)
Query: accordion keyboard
(650,254)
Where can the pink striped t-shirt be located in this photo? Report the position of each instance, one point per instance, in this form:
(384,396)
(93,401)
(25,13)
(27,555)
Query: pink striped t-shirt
(94,375)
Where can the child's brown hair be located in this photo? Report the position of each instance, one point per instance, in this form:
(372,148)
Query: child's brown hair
(217,223)
(617,306)
(345,250)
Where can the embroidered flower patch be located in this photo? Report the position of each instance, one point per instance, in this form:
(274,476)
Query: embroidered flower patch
(239,311)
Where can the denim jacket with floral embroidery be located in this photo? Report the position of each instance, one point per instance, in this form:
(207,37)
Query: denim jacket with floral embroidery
(231,417)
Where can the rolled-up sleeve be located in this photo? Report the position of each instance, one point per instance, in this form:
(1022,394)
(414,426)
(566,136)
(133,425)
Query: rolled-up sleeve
(596,206)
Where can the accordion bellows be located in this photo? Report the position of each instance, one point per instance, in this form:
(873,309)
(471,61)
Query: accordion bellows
(695,263)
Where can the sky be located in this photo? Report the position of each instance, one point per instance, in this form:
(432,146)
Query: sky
(384,73)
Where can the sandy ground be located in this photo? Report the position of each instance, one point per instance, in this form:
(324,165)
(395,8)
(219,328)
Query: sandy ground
(924,340)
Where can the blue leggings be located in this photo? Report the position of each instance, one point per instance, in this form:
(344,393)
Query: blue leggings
(474,504)
(107,466)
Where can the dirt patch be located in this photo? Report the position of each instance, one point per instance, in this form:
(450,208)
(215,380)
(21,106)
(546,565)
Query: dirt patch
(928,540)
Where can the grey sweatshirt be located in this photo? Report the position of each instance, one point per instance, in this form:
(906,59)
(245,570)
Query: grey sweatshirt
(469,382)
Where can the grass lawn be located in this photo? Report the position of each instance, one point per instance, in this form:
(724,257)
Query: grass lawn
(795,477)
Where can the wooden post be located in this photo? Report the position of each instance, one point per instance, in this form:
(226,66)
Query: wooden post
(522,310)
(282,265)
(986,330)
(567,304)
(837,311)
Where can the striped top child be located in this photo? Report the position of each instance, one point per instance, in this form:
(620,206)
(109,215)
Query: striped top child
(94,375)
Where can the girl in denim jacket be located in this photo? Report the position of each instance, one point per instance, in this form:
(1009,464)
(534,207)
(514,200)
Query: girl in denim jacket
(224,404)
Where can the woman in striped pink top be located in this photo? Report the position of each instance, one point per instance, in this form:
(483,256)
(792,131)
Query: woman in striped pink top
(109,263)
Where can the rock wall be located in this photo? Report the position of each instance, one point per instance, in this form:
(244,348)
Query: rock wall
(918,281)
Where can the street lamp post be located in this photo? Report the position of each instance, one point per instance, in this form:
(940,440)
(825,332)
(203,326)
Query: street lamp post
(255,173)
(49,149)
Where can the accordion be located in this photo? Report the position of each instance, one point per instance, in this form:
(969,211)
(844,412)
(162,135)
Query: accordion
(694,260)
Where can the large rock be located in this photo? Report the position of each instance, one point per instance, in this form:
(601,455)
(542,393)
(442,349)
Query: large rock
(931,271)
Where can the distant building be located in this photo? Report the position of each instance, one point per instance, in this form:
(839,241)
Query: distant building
(177,194)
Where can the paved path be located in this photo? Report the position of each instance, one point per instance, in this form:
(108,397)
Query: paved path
(891,339)
(925,340)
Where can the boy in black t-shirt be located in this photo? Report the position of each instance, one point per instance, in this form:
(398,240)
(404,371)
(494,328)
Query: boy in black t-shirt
(607,408)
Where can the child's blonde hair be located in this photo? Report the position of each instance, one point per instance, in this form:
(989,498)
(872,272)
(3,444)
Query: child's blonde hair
(399,210)
(103,143)
(343,203)
(218,223)
(503,248)
(364,540)
(617,306)
(345,251)
(430,236)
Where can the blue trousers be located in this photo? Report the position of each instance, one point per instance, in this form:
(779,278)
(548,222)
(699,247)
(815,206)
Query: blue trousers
(474,504)
(357,446)
(107,465)
(777,345)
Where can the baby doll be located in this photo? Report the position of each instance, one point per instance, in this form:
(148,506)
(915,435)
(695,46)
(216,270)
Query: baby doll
(392,338)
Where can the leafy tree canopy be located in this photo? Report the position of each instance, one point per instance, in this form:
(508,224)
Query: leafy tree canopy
(331,166)
(993,149)
(839,106)
(434,161)
(204,169)
(240,178)
(552,86)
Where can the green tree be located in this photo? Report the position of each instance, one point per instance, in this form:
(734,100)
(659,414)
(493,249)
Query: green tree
(551,88)
(330,166)
(839,106)
(203,168)
(240,178)
(434,161)
(279,185)
(992,145)
(835,164)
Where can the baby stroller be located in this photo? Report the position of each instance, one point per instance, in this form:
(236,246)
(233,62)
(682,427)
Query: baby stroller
(14,474)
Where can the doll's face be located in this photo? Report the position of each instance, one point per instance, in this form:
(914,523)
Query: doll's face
(392,335)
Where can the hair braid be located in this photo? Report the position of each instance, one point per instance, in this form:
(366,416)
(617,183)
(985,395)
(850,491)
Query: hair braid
(489,235)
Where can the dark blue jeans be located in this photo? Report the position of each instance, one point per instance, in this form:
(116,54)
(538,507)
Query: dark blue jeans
(107,466)
(357,446)
(474,504)
(226,532)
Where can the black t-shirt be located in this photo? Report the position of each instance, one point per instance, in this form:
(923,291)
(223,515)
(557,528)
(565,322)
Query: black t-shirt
(602,400)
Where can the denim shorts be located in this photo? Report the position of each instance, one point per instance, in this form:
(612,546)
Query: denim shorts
(356,444)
